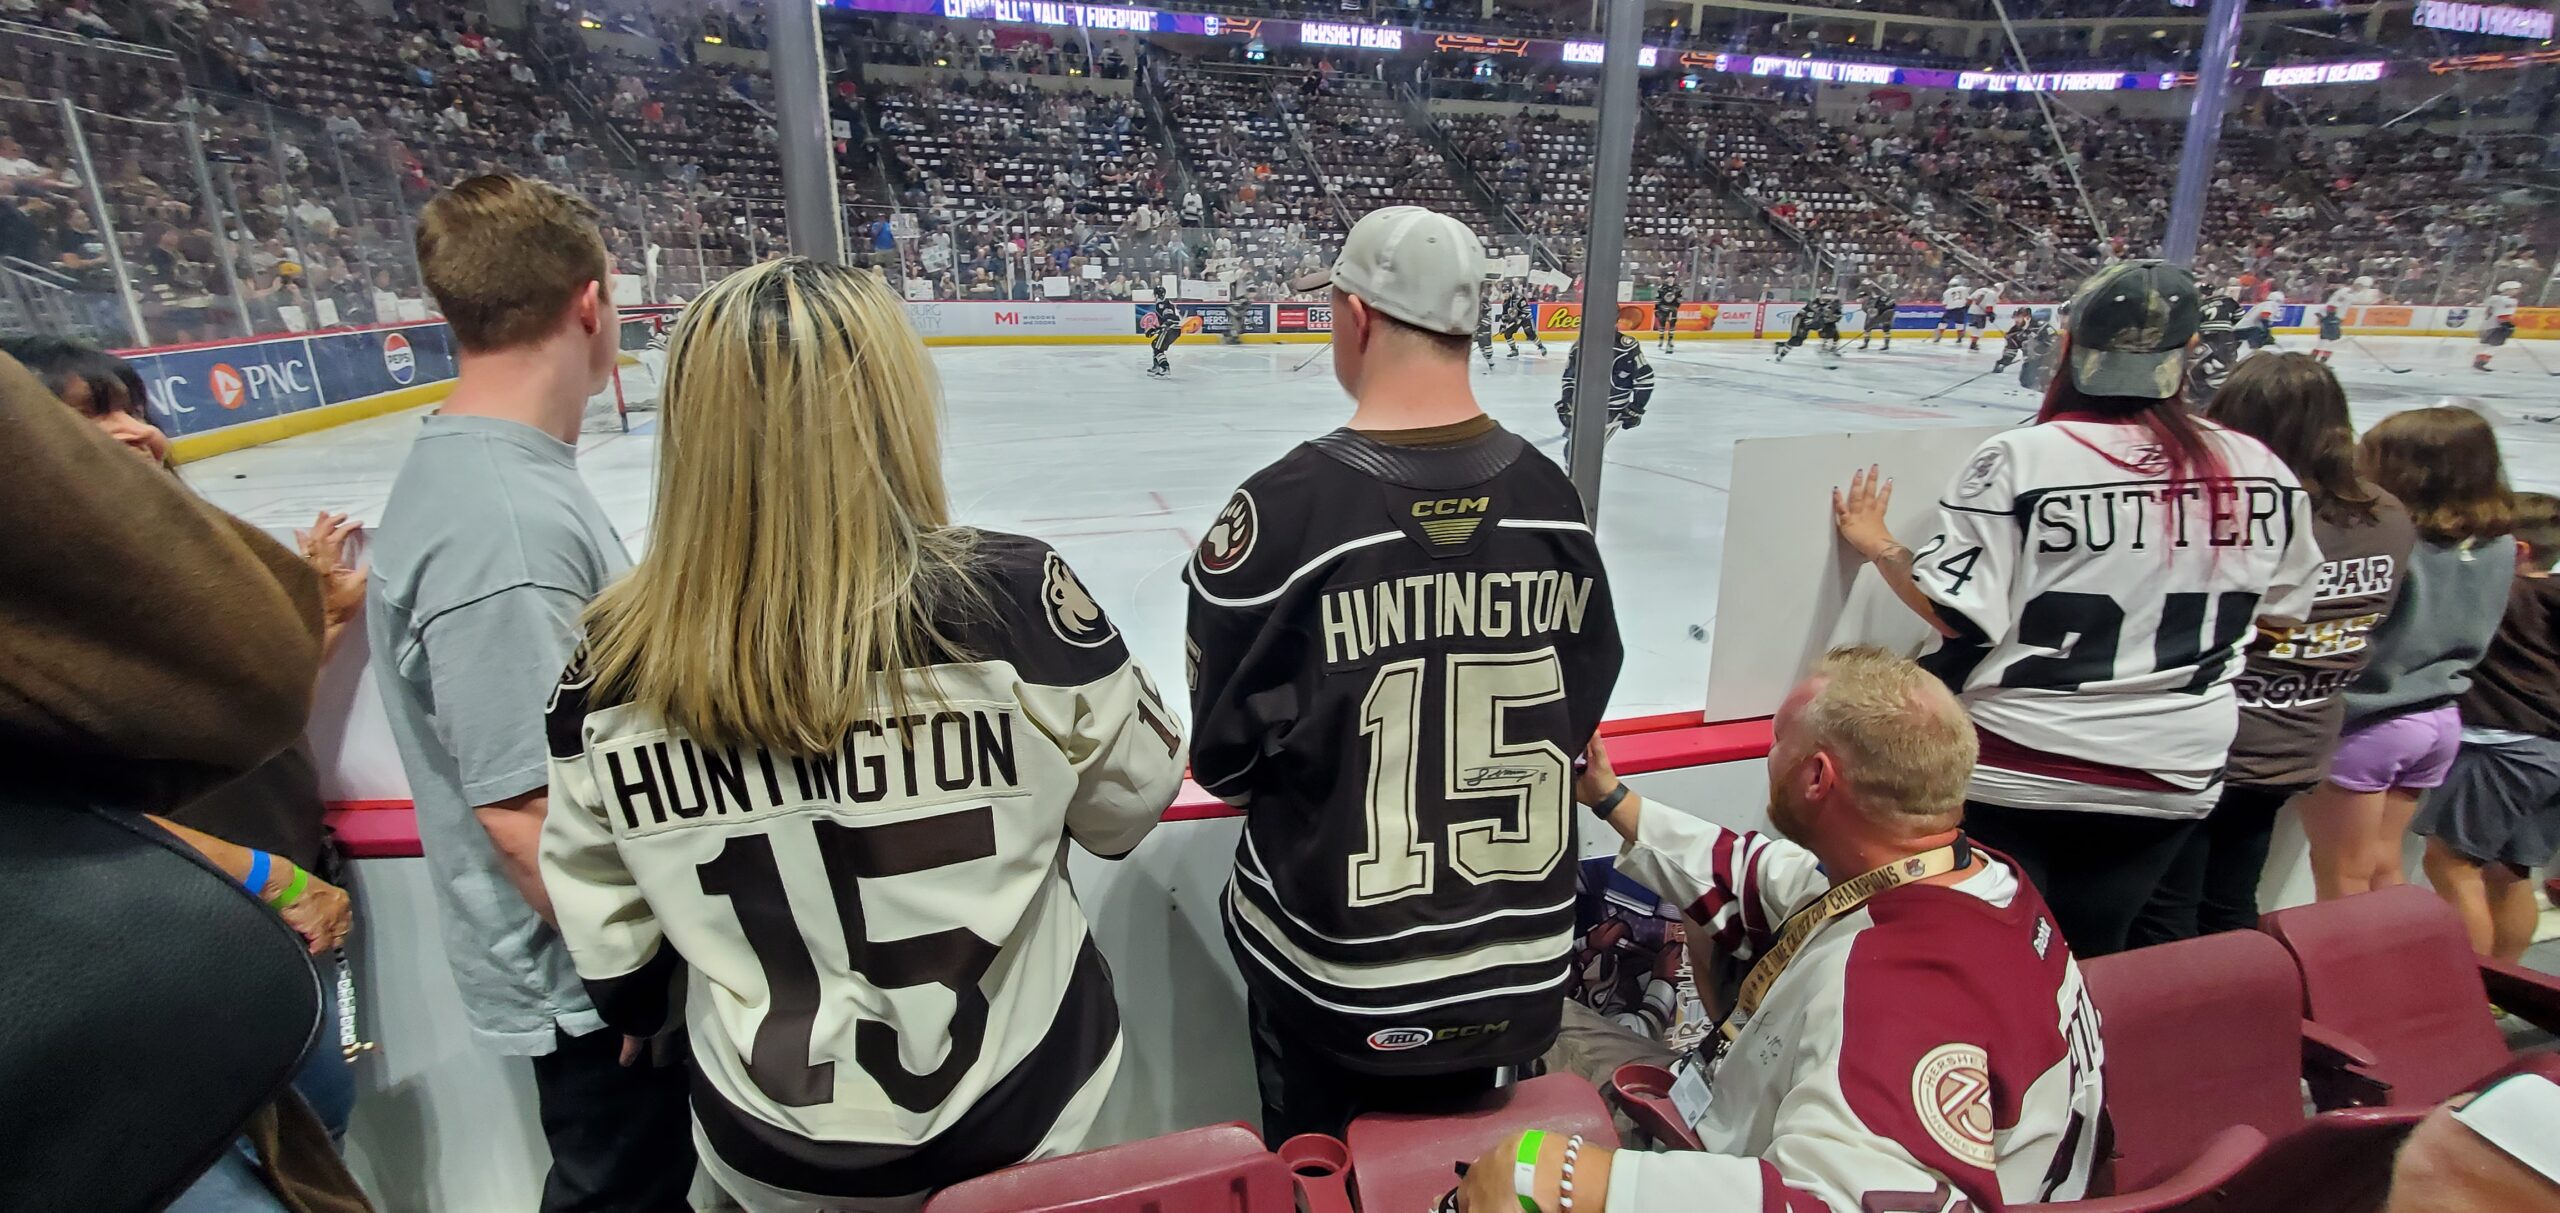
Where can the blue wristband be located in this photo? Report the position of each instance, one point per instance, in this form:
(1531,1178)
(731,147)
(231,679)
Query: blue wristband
(256,880)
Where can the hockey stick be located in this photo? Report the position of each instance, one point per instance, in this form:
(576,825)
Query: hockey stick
(2527,351)
(1951,387)
(2377,358)
(1328,348)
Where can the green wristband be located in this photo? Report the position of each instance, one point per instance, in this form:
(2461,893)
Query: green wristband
(1524,1170)
(293,889)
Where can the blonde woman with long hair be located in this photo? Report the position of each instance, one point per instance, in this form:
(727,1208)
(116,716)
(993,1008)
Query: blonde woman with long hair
(822,757)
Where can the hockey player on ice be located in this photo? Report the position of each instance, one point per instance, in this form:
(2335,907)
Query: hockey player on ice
(1520,319)
(2026,338)
(2217,343)
(1820,316)
(2362,293)
(2497,322)
(1951,306)
(2332,327)
(1167,331)
(1666,309)
(1879,297)
(1484,329)
(2259,328)
(1630,387)
(1979,308)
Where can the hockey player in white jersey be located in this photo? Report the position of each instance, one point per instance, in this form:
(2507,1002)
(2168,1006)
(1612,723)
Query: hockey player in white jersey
(2095,576)
(1913,1034)
(821,761)
(1951,310)
(1981,307)
(2258,327)
(2497,322)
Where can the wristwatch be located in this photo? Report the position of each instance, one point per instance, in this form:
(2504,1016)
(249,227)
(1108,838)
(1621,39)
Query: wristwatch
(1608,804)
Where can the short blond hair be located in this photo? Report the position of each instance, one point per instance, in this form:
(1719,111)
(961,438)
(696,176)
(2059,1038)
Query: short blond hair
(1904,745)
(504,256)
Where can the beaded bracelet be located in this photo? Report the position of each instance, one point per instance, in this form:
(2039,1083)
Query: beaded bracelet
(1572,1147)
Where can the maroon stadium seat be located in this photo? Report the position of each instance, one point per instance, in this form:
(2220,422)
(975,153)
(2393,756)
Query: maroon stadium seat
(1217,1169)
(1403,1162)
(2393,974)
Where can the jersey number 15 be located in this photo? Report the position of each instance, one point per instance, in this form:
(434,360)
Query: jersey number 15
(1530,777)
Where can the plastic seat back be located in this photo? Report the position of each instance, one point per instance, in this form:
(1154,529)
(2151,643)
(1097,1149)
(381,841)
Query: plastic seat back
(1217,1169)
(2200,1035)
(1402,1161)
(2393,969)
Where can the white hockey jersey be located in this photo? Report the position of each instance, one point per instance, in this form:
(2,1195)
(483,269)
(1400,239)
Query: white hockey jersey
(1954,298)
(888,983)
(1931,1051)
(2498,309)
(1983,302)
(2100,610)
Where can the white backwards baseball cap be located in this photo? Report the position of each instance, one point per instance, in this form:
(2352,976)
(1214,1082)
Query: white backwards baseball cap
(1412,263)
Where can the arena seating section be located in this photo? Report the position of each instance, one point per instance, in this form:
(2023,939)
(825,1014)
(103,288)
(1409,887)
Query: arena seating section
(322,135)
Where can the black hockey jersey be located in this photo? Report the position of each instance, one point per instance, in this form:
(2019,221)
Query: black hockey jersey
(1630,381)
(1819,314)
(2222,314)
(1396,653)
(888,984)
(1667,302)
(1518,313)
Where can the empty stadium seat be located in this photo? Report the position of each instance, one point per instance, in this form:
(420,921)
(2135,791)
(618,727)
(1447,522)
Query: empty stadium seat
(2393,973)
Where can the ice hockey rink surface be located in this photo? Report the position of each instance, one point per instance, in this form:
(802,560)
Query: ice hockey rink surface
(1077,446)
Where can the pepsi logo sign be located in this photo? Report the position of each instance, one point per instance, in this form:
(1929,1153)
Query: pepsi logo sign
(398,359)
(230,390)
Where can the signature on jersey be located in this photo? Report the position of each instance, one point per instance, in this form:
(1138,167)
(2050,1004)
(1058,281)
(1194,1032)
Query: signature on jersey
(1478,777)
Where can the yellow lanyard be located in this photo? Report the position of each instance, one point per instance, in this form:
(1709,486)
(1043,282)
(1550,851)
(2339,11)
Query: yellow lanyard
(1843,898)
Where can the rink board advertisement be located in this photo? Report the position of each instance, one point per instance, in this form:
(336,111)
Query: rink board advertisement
(198,389)
(1215,317)
(1302,317)
(1028,319)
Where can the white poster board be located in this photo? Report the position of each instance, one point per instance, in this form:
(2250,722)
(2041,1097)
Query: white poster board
(1516,266)
(918,288)
(1790,590)
(1550,278)
(1626,290)
(1056,286)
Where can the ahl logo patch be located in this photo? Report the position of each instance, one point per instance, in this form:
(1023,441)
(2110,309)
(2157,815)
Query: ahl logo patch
(1073,614)
(1230,538)
(1397,1040)
(1951,1090)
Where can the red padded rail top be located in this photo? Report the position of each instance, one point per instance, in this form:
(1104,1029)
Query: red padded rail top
(388,829)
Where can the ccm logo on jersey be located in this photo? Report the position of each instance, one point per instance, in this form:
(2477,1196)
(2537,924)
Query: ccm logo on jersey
(1450,521)
(1230,538)
(1073,614)
(1397,1040)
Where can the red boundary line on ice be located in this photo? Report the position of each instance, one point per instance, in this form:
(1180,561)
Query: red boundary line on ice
(388,829)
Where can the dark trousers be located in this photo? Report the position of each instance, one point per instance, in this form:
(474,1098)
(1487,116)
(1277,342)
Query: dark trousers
(2212,885)
(2096,870)
(621,1136)
(1305,1091)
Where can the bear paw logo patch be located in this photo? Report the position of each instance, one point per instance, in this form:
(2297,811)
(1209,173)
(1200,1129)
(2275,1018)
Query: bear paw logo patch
(1231,537)
(1073,614)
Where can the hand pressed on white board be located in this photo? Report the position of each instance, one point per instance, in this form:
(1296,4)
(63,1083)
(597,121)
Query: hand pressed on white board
(1860,512)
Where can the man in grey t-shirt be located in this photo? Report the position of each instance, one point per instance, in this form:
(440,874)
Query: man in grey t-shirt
(487,553)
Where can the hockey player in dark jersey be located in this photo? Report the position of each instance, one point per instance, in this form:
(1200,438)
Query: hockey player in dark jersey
(1400,631)
(1820,316)
(1520,319)
(1167,331)
(1630,386)
(1879,298)
(2023,339)
(1666,310)
(1484,330)
(2333,330)
(2217,347)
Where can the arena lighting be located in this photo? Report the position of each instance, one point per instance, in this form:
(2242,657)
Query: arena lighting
(2505,21)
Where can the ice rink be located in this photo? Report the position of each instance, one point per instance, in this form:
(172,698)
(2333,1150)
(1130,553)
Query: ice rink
(1076,445)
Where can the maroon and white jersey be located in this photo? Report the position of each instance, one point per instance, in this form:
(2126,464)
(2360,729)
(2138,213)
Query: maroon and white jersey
(1932,1051)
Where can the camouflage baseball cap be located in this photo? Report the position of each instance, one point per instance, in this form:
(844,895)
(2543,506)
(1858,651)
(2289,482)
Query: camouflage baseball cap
(2129,326)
